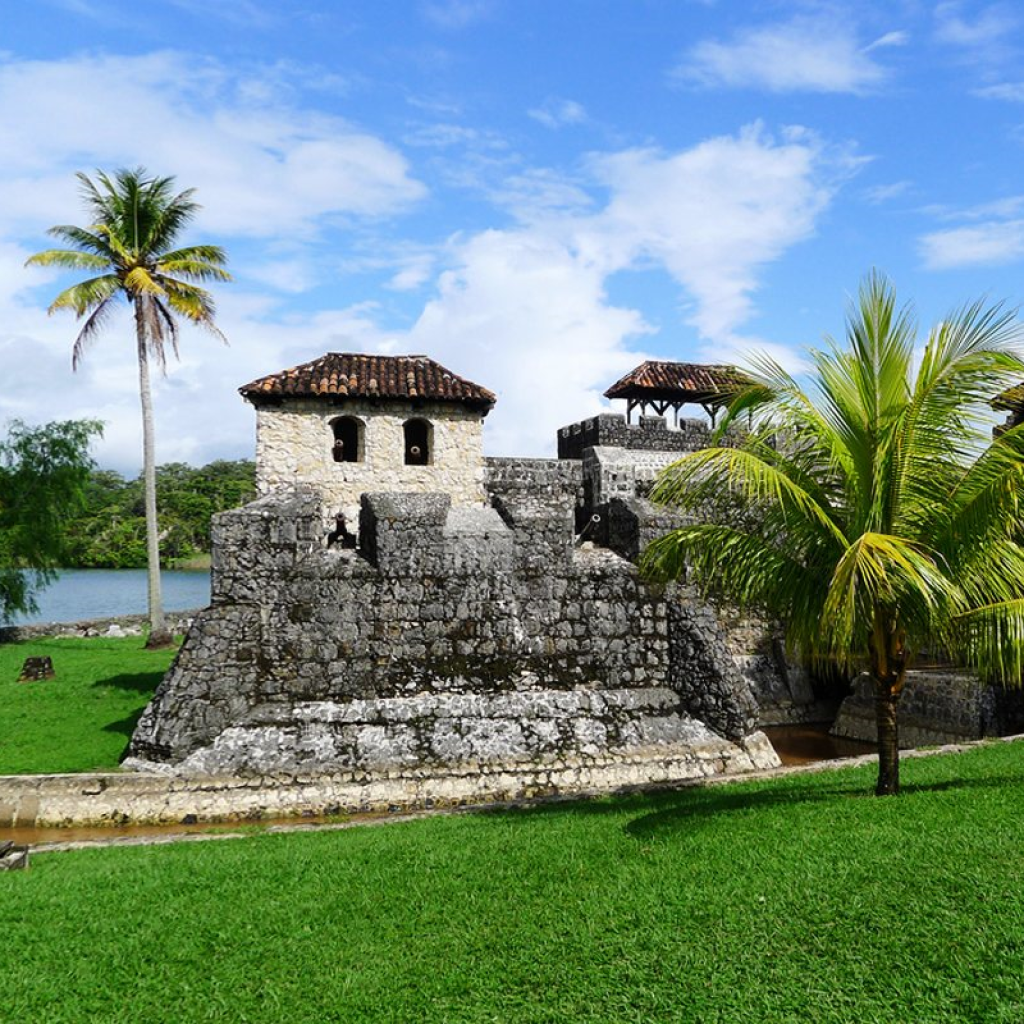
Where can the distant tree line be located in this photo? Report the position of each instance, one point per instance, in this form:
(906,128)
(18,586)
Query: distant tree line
(109,531)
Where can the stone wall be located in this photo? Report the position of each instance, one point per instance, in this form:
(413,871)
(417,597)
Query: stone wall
(937,706)
(549,479)
(294,447)
(454,636)
(652,433)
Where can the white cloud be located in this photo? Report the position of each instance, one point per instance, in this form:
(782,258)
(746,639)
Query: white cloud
(1011,92)
(715,214)
(557,113)
(887,40)
(526,313)
(988,243)
(524,310)
(260,168)
(883,193)
(457,14)
(806,54)
(984,35)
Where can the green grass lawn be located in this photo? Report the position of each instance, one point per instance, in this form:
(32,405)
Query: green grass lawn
(82,719)
(802,899)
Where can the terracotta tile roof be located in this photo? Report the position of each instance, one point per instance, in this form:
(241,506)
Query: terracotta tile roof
(1012,399)
(339,375)
(680,382)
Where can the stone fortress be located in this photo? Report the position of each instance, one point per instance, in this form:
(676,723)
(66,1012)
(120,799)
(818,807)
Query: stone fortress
(399,621)
(395,606)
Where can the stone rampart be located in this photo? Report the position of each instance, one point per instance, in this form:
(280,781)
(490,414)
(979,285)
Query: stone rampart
(453,636)
(110,626)
(652,433)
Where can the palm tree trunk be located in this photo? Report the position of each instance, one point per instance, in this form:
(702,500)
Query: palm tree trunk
(886,704)
(158,633)
(889,660)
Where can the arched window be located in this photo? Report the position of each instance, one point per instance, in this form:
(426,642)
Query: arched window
(347,445)
(419,443)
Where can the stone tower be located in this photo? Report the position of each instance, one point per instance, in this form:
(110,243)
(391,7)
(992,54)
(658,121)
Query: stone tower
(345,424)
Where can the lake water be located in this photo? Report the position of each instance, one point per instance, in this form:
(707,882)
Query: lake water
(100,593)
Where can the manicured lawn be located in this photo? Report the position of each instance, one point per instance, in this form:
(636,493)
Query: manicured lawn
(803,899)
(82,719)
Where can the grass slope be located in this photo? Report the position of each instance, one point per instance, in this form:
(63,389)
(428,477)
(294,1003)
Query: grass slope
(800,899)
(82,719)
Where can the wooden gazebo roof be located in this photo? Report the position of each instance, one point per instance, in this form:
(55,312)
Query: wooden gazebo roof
(664,385)
(1012,399)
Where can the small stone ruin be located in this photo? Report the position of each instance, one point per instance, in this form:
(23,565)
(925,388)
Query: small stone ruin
(36,670)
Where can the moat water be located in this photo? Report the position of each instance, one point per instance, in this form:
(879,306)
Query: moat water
(808,743)
(101,593)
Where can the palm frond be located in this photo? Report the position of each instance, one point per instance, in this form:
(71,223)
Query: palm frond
(991,640)
(93,325)
(193,269)
(84,239)
(880,571)
(69,259)
(86,295)
(139,281)
(690,482)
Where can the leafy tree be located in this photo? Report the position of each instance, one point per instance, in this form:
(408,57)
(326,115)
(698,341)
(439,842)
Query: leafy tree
(43,473)
(136,221)
(879,519)
(109,532)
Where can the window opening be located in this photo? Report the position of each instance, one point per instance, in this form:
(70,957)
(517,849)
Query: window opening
(348,439)
(418,438)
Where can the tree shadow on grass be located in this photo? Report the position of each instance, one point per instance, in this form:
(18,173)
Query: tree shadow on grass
(136,682)
(125,726)
(662,814)
(684,803)
(699,806)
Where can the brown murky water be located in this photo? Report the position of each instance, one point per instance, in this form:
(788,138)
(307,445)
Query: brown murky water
(805,744)
(128,835)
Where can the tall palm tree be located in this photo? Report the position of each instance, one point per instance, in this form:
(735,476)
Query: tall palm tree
(879,518)
(136,221)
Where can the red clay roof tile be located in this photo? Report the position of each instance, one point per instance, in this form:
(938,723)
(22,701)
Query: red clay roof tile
(683,382)
(353,375)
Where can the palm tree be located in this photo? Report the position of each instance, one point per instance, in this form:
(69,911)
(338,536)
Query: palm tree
(135,223)
(879,519)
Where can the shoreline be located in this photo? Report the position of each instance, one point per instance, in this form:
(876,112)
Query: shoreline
(109,625)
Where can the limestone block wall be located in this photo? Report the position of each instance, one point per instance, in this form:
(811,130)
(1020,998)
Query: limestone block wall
(937,706)
(294,447)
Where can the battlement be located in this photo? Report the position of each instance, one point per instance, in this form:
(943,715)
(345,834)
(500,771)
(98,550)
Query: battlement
(652,433)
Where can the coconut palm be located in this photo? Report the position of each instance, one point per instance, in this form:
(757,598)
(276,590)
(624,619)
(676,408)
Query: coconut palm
(136,221)
(879,518)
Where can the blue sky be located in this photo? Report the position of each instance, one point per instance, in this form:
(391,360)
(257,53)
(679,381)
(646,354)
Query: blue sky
(537,193)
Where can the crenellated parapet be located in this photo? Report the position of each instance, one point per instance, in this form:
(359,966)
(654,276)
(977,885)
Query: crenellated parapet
(652,433)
